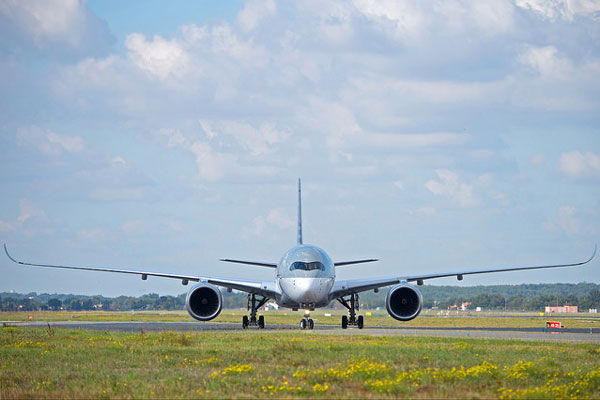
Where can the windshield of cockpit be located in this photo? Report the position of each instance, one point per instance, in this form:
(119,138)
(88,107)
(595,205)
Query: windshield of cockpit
(307,266)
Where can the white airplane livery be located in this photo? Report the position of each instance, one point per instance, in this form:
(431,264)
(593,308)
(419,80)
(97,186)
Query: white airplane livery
(304,280)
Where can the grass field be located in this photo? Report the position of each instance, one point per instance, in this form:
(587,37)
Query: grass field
(377,318)
(61,363)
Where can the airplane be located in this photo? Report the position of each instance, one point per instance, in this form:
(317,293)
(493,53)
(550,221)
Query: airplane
(305,278)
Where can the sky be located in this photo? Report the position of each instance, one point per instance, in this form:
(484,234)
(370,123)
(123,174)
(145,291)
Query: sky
(434,136)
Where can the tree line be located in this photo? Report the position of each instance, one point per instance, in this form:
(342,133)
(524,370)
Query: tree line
(526,297)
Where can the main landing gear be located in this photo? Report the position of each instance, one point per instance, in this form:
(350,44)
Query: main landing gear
(254,303)
(351,303)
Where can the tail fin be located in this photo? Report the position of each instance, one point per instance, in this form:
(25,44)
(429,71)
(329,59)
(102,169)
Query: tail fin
(299,212)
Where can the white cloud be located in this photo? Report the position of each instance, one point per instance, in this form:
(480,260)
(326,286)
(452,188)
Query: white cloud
(48,142)
(547,62)
(577,165)
(225,148)
(537,159)
(567,220)
(258,141)
(562,9)
(118,193)
(411,21)
(450,185)
(280,219)
(212,165)
(5,226)
(95,235)
(72,144)
(254,12)
(389,140)
(277,218)
(134,227)
(324,77)
(175,138)
(402,19)
(422,211)
(159,57)
(549,226)
(29,211)
(549,79)
(54,25)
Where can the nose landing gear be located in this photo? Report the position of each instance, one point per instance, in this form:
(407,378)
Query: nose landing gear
(352,305)
(307,322)
(253,305)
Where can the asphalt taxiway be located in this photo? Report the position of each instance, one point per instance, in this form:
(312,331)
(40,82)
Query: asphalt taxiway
(564,335)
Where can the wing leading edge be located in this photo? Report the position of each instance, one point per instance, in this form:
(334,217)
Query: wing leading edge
(345,287)
(264,288)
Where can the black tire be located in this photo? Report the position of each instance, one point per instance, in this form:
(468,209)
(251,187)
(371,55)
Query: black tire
(261,322)
(311,324)
(360,322)
(344,321)
(303,323)
(245,322)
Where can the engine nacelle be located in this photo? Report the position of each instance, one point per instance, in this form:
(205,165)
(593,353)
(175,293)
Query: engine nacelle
(404,302)
(204,302)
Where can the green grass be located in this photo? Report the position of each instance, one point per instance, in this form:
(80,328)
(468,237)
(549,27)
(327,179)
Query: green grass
(377,318)
(61,363)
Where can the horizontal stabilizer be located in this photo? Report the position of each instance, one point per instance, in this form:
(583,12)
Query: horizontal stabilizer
(339,264)
(260,264)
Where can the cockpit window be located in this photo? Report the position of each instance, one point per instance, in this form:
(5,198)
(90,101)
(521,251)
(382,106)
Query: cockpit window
(307,266)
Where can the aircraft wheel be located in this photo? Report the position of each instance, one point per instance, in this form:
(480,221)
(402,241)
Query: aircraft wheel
(245,322)
(344,321)
(261,322)
(360,322)
(311,324)
(303,323)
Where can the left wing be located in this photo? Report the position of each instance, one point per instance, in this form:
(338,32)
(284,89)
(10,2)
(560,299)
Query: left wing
(264,288)
(346,287)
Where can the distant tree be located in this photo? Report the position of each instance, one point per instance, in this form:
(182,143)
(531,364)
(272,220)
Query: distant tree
(87,304)
(517,303)
(592,300)
(75,304)
(54,304)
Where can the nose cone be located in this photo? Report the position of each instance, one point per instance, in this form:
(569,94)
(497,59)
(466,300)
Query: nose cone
(306,290)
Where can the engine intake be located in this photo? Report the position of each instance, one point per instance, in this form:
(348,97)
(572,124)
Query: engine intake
(204,302)
(404,302)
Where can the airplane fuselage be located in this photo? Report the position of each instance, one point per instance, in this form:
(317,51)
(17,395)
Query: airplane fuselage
(305,276)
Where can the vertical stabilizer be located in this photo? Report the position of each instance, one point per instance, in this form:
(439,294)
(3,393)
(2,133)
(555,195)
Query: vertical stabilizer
(299,212)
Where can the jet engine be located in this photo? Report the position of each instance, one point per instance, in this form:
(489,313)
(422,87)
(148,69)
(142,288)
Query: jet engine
(404,302)
(204,302)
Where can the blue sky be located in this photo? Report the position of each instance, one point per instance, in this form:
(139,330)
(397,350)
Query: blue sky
(434,136)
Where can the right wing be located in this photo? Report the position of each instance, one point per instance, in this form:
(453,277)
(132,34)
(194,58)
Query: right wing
(346,287)
(264,288)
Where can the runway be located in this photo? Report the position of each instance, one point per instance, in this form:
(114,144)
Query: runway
(536,334)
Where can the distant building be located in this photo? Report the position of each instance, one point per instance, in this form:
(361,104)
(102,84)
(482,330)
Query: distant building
(561,309)
(593,310)
(271,306)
